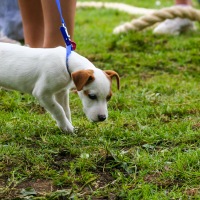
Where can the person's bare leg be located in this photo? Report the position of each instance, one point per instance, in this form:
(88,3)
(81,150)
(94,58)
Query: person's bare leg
(52,22)
(32,19)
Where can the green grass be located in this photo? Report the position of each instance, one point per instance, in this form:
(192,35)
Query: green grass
(149,148)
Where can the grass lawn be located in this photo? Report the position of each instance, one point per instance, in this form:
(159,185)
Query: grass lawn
(149,148)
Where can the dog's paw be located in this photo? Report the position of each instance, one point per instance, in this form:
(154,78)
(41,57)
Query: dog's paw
(68,129)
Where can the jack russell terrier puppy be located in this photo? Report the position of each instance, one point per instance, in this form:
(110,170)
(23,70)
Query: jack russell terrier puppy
(44,74)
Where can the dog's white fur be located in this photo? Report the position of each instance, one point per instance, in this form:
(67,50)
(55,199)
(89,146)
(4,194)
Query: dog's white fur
(43,73)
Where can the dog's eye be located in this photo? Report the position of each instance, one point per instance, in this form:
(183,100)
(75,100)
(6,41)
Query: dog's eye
(92,96)
(108,98)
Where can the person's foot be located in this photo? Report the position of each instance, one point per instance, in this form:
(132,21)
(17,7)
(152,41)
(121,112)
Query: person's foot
(174,26)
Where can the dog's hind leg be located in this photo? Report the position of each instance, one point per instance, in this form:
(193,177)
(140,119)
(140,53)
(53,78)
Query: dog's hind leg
(48,101)
(62,98)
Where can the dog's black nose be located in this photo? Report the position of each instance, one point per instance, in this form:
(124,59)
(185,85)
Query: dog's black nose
(101,117)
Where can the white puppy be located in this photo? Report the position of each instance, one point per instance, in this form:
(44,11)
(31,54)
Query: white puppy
(44,74)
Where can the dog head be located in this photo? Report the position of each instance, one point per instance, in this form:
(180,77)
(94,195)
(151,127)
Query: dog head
(94,90)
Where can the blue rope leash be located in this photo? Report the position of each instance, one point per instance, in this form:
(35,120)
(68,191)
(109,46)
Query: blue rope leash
(66,36)
(60,11)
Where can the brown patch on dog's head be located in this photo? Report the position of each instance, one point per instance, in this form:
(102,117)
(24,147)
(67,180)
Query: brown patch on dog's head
(82,78)
(111,74)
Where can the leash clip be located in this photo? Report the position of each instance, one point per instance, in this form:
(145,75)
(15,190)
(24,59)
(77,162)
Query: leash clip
(65,34)
(66,38)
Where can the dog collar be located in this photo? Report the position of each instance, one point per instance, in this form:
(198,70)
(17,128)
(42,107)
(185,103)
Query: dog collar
(70,45)
(69,49)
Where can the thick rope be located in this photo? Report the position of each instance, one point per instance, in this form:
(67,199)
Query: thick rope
(116,6)
(159,16)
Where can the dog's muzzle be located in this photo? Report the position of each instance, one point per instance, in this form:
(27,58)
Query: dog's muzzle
(102,118)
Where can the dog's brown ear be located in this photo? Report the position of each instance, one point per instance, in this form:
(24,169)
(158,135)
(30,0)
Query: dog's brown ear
(82,78)
(112,74)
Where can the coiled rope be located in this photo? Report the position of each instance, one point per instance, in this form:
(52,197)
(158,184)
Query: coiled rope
(115,6)
(159,16)
(150,17)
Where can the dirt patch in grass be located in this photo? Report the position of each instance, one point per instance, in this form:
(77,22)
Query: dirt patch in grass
(40,187)
(196,126)
(103,180)
(102,183)
(192,191)
(156,178)
(64,156)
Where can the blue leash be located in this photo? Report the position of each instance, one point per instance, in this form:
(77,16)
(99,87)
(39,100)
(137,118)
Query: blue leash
(66,36)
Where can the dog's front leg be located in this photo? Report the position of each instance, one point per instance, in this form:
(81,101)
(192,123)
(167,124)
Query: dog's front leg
(62,98)
(49,102)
